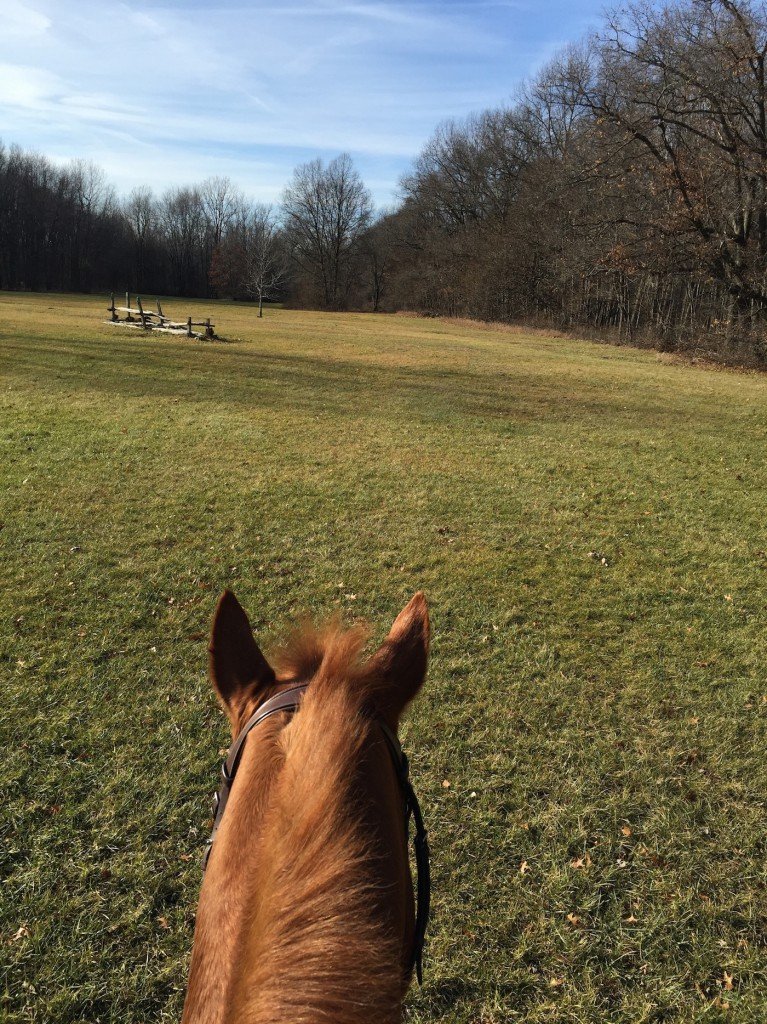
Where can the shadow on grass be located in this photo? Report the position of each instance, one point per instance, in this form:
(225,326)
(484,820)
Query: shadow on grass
(445,995)
(283,383)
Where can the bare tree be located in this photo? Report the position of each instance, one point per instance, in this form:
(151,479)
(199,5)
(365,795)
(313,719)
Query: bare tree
(265,264)
(220,200)
(326,211)
(183,224)
(686,87)
(141,214)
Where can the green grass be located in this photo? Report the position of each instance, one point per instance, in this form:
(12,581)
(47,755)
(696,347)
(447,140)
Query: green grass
(589,526)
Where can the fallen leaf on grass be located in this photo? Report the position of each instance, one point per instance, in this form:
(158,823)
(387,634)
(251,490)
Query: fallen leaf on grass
(626,831)
(727,982)
(556,982)
(22,933)
(579,863)
(524,867)
(163,923)
(574,920)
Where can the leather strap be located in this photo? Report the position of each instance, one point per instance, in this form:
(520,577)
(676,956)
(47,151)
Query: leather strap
(420,845)
(287,700)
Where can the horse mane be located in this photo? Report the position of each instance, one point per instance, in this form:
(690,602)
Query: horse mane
(315,949)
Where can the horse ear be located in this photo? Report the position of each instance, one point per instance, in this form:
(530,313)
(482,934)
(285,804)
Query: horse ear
(237,666)
(401,659)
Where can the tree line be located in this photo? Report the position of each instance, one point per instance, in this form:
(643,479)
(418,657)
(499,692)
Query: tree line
(624,190)
(65,229)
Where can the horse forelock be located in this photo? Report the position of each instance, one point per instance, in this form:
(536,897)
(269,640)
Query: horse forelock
(328,652)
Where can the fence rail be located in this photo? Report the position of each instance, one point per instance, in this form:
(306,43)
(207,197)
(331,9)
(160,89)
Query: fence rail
(148,320)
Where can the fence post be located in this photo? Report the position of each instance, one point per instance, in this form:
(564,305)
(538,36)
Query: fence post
(141,312)
(208,329)
(127,304)
(112,309)
(189,328)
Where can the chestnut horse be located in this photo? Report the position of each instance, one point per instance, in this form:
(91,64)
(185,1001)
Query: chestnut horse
(306,913)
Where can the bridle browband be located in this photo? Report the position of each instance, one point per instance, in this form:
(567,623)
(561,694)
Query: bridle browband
(289,700)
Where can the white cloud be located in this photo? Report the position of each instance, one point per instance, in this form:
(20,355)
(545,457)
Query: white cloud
(20,21)
(164,91)
(143,20)
(28,88)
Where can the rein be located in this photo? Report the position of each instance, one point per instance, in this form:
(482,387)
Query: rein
(289,700)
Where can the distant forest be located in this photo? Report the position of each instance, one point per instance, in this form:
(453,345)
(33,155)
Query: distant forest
(623,192)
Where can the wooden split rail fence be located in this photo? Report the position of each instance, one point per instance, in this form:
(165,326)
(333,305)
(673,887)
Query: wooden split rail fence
(137,316)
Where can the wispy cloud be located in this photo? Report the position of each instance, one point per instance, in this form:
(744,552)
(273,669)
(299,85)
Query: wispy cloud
(21,21)
(25,87)
(162,91)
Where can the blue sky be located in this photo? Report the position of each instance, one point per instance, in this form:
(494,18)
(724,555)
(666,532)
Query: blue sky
(167,93)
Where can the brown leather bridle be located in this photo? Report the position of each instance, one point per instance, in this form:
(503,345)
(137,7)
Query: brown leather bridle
(289,700)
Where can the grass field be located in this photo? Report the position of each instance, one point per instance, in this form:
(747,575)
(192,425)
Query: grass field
(589,526)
